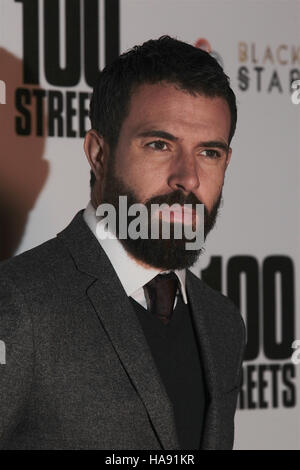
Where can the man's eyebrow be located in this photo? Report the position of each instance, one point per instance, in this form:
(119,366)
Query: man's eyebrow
(215,143)
(158,133)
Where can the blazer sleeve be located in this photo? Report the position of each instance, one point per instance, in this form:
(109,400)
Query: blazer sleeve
(16,359)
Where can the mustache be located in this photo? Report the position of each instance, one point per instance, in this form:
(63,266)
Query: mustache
(175,197)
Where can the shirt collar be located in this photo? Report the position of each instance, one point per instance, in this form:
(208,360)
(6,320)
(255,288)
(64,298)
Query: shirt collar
(132,275)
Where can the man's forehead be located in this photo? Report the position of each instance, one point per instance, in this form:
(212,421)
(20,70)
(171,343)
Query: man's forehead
(153,105)
(171,91)
(175,128)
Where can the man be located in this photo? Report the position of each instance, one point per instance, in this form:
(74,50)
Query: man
(112,343)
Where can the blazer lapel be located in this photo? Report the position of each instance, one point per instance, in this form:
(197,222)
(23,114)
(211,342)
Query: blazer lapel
(201,315)
(122,327)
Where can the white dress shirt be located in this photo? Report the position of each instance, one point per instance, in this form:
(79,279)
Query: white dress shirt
(133,276)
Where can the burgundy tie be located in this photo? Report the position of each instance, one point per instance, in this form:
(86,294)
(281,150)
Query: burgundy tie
(160,295)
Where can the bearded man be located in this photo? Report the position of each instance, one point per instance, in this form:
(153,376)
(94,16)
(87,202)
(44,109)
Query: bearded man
(111,341)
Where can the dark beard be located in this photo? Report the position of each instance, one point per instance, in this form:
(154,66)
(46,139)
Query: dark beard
(159,253)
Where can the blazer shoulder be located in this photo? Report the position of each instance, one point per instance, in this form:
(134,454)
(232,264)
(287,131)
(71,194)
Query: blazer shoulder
(38,271)
(221,305)
(48,275)
(214,296)
(36,258)
(51,257)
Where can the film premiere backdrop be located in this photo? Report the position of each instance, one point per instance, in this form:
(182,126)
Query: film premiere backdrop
(50,54)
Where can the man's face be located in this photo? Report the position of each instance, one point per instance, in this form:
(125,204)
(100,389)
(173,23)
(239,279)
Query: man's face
(171,144)
(161,144)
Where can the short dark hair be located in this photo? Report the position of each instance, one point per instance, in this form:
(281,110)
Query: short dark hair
(165,59)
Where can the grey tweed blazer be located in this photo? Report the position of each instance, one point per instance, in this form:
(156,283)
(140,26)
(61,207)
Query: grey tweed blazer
(78,373)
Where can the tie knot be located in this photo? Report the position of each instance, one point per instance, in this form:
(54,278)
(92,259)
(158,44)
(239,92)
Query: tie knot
(160,294)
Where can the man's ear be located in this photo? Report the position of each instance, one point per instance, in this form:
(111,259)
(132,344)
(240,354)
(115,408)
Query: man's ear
(96,151)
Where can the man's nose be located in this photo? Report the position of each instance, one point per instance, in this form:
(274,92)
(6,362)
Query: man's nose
(184,173)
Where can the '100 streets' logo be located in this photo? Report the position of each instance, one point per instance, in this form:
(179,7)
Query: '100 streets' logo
(63,106)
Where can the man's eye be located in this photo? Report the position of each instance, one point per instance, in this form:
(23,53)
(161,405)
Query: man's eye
(158,145)
(211,153)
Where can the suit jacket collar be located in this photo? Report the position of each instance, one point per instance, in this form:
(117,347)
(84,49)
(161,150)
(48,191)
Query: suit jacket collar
(119,320)
(201,316)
